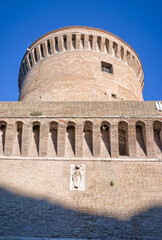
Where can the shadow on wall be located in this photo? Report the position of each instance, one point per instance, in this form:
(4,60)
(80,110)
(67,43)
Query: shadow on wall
(29,217)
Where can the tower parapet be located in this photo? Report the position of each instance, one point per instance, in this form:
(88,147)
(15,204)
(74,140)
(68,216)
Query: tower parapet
(80,64)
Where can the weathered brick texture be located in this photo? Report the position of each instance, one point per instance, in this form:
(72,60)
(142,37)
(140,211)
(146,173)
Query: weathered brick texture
(78,118)
(70,69)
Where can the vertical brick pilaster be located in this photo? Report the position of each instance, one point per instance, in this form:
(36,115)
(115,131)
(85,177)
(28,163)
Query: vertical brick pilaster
(118,51)
(26,139)
(78,42)
(86,41)
(114,141)
(132,140)
(130,62)
(110,47)
(45,48)
(60,43)
(124,55)
(27,62)
(61,139)
(32,56)
(102,44)
(96,140)
(149,140)
(69,42)
(79,140)
(38,53)
(94,43)
(9,139)
(44,132)
(52,45)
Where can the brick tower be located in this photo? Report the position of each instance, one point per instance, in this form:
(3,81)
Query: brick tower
(80,152)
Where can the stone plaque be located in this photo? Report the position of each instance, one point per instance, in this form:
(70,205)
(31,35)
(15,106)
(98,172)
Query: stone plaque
(77,177)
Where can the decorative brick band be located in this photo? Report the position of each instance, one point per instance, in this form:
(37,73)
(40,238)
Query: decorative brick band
(82,139)
(79,40)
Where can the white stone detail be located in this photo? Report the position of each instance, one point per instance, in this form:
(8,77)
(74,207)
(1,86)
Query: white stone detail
(158,106)
(77,177)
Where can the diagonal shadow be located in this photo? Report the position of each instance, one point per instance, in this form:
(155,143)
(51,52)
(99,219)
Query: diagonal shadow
(29,217)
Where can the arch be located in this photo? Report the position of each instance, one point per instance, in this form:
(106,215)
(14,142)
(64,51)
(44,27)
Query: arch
(105,139)
(52,139)
(140,139)
(88,139)
(157,131)
(70,139)
(3,125)
(18,138)
(35,139)
(123,138)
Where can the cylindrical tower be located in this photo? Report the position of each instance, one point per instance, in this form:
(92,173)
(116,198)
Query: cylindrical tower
(80,64)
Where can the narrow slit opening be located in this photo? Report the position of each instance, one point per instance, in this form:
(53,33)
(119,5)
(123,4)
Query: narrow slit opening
(35,55)
(42,51)
(49,47)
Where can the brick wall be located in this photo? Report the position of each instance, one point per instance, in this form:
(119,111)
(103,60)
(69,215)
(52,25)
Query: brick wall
(66,66)
(36,201)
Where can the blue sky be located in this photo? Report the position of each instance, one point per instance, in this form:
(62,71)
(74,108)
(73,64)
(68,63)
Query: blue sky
(138,22)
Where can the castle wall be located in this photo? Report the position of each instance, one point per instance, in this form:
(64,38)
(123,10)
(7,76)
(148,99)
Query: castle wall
(121,200)
(117,144)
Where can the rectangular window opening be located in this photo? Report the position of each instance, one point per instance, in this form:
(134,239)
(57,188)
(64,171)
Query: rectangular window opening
(107,67)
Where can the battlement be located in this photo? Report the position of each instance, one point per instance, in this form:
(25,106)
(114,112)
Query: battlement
(65,58)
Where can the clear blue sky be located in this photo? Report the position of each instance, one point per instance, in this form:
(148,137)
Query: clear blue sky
(138,22)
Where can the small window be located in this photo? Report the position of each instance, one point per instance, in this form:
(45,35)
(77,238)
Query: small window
(107,67)
(113,96)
